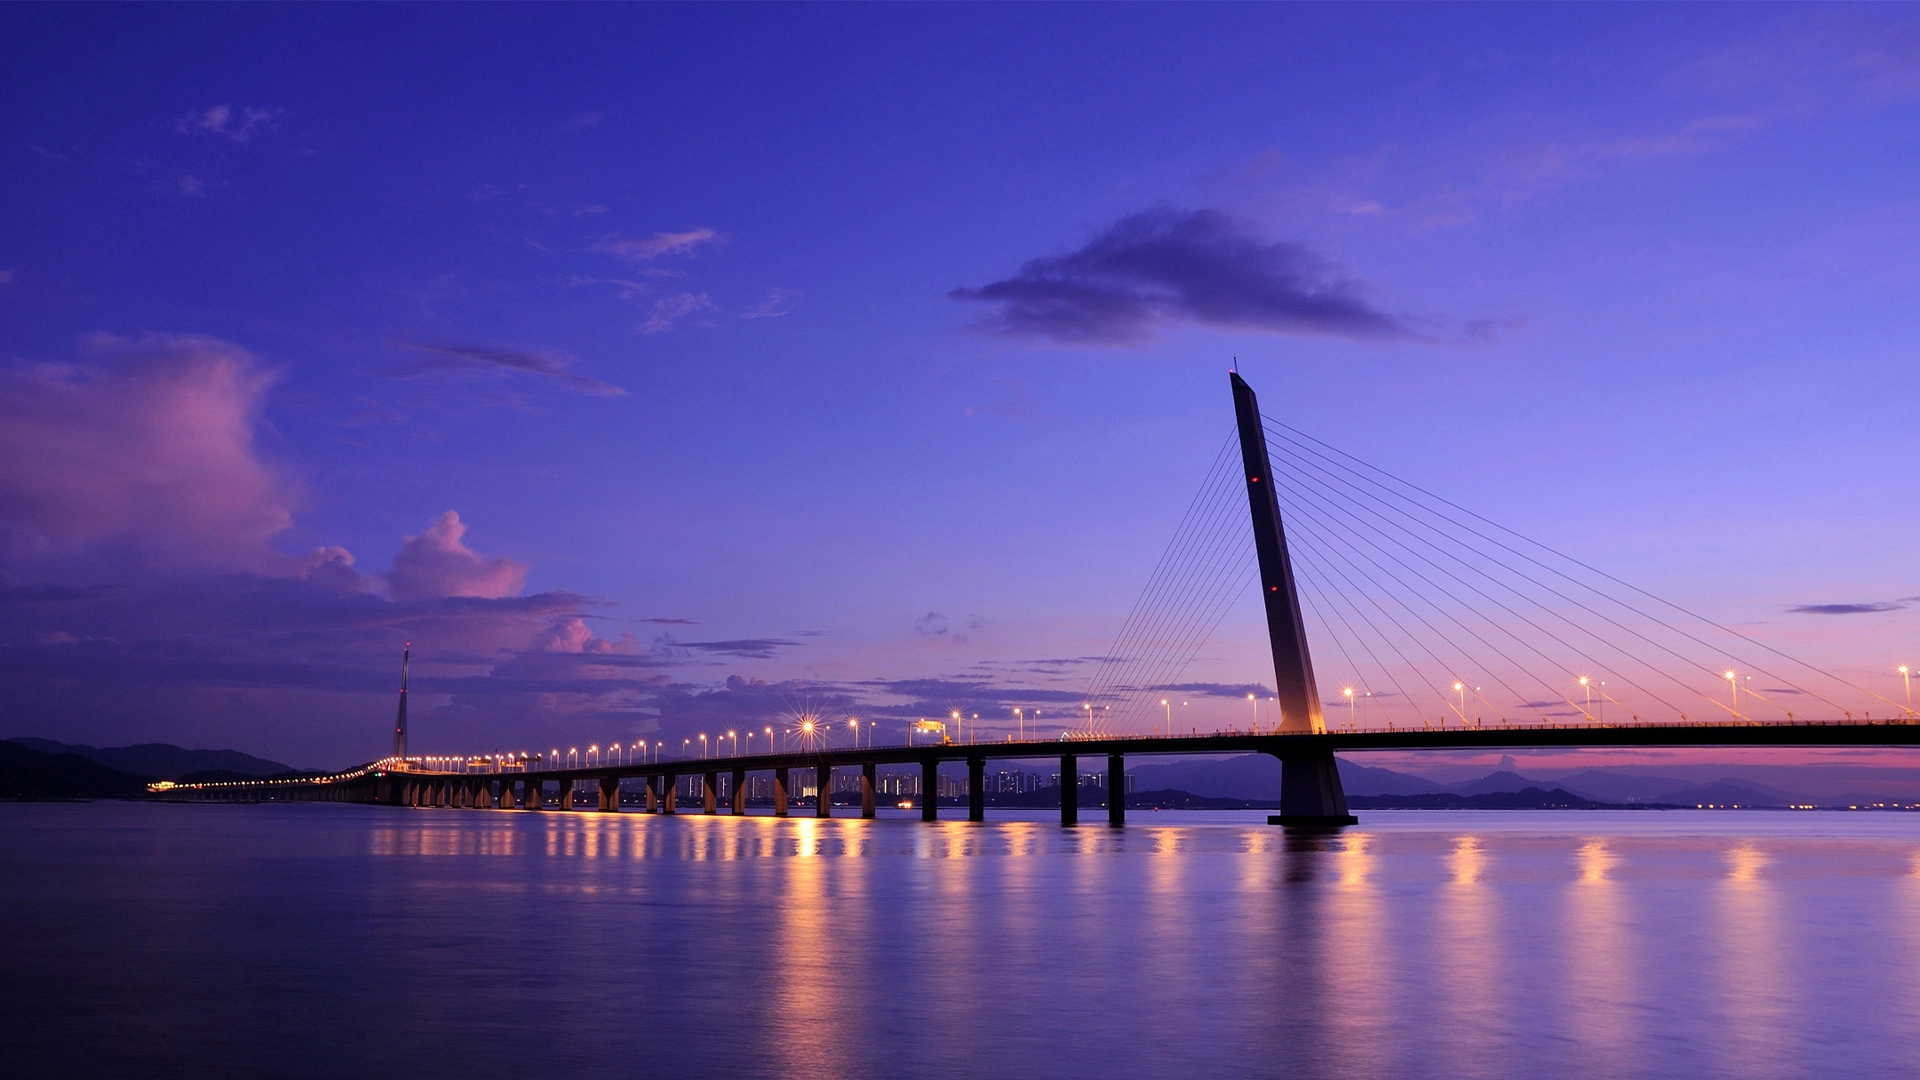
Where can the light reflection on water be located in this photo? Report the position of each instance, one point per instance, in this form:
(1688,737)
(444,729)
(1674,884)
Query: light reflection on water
(231,940)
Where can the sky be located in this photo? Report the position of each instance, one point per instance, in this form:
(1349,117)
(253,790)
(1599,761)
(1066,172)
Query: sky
(665,370)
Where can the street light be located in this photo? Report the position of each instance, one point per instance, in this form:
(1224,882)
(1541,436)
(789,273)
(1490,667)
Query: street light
(1020,715)
(1255,702)
(1588,687)
(1734,681)
(1348,691)
(703,745)
(1461,689)
(1906,676)
(769,740)
(1169,707)
(736,742)
(685,745)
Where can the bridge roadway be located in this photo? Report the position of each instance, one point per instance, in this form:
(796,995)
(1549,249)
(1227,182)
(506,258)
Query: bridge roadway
(395,783)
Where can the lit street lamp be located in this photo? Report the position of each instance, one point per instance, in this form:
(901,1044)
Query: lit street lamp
(1906,676)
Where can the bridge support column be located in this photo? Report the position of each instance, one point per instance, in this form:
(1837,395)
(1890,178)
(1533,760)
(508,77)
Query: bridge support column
(710,793)
(930,789)
(565,802)
(1310,791)
(483,795)
(868,782)
(610,794)
(653,795)
(1116,790)
(976,789)
(669,793)
(781,782)
(823,791)
(536,798)
(738,792)
(1069,790)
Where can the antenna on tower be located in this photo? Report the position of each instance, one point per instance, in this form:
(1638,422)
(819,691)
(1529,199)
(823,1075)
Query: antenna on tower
(400,723)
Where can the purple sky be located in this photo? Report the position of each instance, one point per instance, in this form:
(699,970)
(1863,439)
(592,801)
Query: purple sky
(659,370)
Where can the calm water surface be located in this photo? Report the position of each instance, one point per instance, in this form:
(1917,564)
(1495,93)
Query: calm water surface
(322,940)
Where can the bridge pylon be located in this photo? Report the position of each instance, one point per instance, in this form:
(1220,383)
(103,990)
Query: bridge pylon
(1310,791)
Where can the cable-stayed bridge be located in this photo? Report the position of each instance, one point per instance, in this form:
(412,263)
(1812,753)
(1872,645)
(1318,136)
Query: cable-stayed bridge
(1444,630)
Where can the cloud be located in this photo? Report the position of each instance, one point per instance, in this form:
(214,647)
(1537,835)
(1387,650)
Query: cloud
(147,444)
(484,360)
(748,648)
(1165,267)
(777,303)
(237,125)
(1845,609)
(669,310)
(438,563)
(640,249)
(672,622)
(1219,690)
(189,186)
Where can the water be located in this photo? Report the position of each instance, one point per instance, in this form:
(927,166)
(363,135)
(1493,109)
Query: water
(318,940)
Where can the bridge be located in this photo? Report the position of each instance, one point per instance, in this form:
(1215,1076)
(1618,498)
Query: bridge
(1359,608)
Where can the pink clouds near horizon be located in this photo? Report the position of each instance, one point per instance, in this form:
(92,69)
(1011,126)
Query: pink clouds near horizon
(438,563)
(149,443)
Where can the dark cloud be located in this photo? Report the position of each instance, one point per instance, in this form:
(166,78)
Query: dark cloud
(436,359)
(1209,689)
(749,648)
(1167,266)
(1845,609)
(672,622)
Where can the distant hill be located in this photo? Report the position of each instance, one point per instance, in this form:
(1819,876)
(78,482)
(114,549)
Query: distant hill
(26,773)
(1256,778)
(162,760)
(1731,792)
(1532,798)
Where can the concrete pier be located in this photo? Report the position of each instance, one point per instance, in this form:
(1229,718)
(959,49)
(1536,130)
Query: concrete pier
(565,799)
(653,794)
(823,791)
(780,786)
(738,792)
(669,793)
(930,789)
(868,782)
(610,794)
(1116,789)
(976,789)
(1069,790)
(710,793)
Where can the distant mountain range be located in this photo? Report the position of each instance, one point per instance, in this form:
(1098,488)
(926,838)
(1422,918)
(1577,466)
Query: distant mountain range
(162,761)
(1257,777)
(45,769)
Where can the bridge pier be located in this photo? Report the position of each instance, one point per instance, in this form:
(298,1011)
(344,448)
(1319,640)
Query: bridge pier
(868,782)
(565,801)
(1310,791)
(710,793)
(483,795)
(976,789)
(780,782)
(536,798)
(669,793)
(1116,790)
(610,794)
(653,795)
(738,792)
(823,791)
(1069,790)
(930,789)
